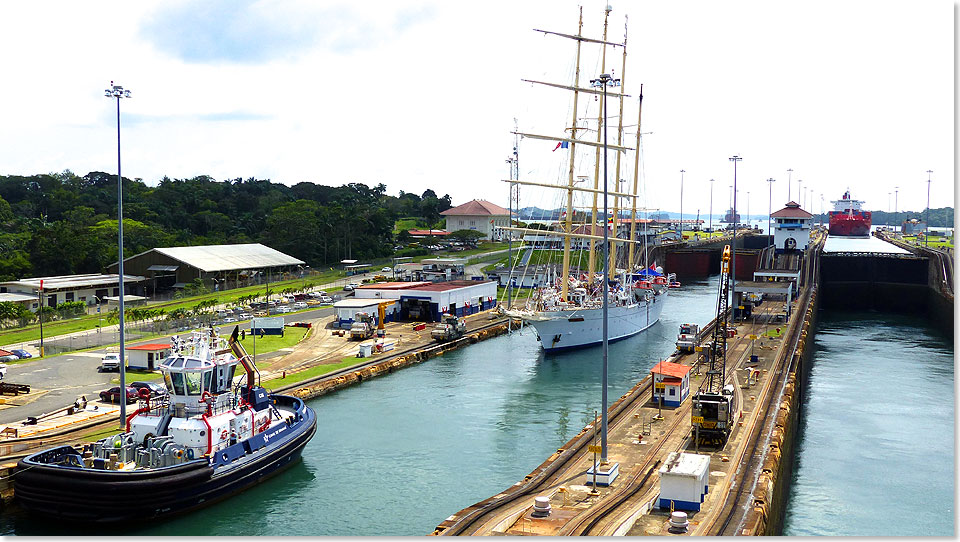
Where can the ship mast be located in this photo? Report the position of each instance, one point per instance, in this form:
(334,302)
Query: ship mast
(636,176)
(616,199)
(573,135)
(596,166)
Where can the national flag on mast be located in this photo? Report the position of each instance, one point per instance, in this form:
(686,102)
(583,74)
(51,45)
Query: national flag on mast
(562,145)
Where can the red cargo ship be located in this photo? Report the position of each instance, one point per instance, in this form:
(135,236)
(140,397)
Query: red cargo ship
(848,217)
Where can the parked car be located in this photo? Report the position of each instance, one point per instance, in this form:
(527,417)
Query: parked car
(351,287)
(109,362)
(8,357)
(326,299)
(113,394)
(156,390)
(229,320)
(386,270)
(22,354)
(281,310)
(260,314)
(299,305)
(244,316)
(3,371)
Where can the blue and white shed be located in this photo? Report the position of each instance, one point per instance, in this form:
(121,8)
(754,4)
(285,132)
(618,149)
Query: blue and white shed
(684,481)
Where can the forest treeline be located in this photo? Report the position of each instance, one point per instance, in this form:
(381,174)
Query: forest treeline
(62,223)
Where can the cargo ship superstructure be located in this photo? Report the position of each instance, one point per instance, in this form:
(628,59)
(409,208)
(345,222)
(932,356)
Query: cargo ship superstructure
(848,219)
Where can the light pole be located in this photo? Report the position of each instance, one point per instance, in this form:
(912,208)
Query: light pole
(733,260)
(748,208)
(682,171)
(896,189)
(116,91)
(711,207)
(800,191)
(604,81)
(770,182)
(789,179)
(926,228)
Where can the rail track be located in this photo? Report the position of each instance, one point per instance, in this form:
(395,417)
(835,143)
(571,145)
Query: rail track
(605,515)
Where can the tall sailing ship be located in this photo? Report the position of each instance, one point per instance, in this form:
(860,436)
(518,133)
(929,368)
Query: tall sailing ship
(567,311)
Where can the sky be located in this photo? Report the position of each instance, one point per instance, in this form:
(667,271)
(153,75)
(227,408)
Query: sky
(424,95)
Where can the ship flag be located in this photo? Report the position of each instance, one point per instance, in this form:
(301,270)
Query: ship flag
(562,145)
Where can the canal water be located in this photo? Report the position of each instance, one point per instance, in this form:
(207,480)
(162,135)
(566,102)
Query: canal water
(396,455)
(875,453)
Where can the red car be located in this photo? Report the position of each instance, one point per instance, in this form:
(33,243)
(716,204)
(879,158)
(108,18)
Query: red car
(113,395)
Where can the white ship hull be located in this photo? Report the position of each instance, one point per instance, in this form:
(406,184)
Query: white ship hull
(567,329)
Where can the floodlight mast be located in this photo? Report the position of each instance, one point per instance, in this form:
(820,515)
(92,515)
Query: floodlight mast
(118,92)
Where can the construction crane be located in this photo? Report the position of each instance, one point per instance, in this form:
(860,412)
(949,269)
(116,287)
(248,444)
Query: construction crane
(714,405)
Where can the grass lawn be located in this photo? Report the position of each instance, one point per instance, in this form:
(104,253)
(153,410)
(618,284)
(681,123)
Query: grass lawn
(272,343)
(311,372)
(97,434)
(518,293)
(935,242)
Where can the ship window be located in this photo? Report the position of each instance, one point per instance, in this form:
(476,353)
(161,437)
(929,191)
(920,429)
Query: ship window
(177,383)
(207,379)
(168,382)
(193,383)
(230,371)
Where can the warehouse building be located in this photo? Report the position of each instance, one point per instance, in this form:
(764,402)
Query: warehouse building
(91,289)
(427,301)
(220,267)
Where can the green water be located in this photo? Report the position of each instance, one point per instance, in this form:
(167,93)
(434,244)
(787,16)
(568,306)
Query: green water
(396,455)
(875,454)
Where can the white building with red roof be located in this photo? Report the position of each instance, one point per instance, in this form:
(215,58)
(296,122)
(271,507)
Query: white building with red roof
(671,383)
(478,215)
(792,227)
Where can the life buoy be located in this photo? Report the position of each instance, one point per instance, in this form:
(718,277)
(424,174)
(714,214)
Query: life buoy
(190,453)
(223,434)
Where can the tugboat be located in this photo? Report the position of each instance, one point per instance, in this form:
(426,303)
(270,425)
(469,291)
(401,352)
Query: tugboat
(848,219)
(203,442)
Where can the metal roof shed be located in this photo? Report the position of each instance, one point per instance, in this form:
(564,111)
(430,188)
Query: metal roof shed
(217,264)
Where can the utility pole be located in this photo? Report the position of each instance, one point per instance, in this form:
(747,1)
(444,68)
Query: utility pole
(896,190)
(926,228)
(711,207)
(770,182)
(733,260)
(680,238)
(604,81)
(789,179)
(117,91)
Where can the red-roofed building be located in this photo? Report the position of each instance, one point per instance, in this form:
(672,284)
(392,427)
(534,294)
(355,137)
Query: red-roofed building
(791,229)
(146,356)
(478,215)
(671,381)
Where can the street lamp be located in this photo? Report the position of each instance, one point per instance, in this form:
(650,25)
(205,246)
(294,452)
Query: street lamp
(604,81)
(711,207)
(800,191)
(682,171)
(116,91)
(926,228)
(748,208)
(896,189)
(770,182)
(733,263)
(789,179)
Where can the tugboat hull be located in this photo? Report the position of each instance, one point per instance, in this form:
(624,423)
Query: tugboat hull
(101,496)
